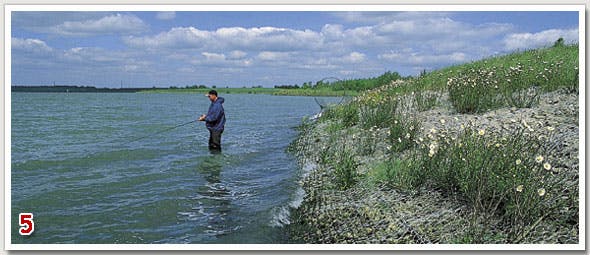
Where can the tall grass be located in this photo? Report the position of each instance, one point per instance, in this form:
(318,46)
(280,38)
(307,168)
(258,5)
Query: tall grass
(345,168)
(402,133)
(498,173)
(397,173)
(379,115)
(346,114)
(513,80)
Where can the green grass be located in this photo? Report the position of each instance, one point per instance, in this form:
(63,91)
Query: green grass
(345,168)
(498,173)
(346,115)
(513,80)
(314,92)
(402,133)
(396,173)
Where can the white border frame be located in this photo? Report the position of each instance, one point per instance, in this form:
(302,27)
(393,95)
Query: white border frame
(580,8)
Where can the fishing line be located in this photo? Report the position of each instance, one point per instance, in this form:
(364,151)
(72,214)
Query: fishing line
(322,101)
(161,131)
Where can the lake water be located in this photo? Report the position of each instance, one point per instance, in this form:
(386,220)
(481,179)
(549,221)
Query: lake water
(76,167)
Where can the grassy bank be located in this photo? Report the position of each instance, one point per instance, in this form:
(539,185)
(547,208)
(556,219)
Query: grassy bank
(485,152)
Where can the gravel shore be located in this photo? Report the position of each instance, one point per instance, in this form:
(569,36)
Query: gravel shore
(374,213)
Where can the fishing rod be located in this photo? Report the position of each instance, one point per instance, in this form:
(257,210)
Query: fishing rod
(324,104)
(161,131)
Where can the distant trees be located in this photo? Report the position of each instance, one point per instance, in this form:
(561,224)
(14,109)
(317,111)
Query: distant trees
(286,86)
(196,87)
(357,84)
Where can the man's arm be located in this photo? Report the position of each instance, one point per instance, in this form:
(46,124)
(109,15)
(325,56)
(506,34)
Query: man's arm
(213,114)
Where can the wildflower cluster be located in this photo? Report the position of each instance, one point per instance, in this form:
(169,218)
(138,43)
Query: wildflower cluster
(497,172)
(426,100)
(473,90)
(366,140)
(402,133)
(379,115)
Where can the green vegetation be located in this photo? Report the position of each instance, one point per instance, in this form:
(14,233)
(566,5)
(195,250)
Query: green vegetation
(512,80)
(504,175)
(495,171)
(345,168)
(355,84)
(398,170)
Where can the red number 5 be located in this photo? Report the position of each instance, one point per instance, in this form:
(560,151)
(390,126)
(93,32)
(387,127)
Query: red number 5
(27,226)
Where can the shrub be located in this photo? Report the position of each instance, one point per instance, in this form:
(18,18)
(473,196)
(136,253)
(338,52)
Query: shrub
(397,173)
(474,90)
(346,114)
(426,100)
(402,133)
(379,115)
(345,169)
(366,141)
(506,175)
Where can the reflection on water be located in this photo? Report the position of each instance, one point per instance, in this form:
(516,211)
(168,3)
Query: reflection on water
(215,202)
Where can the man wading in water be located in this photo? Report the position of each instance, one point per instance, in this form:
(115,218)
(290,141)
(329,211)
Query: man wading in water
(214,120)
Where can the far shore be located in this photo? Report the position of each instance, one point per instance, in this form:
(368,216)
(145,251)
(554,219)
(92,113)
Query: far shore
(268,91)
(257,90)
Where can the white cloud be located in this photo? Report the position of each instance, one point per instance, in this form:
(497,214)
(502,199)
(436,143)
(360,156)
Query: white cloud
(336,46)
(113,24)
(130,68)
(354,57)
(213,56)
(95,55)
(414,58)
(233,38)
(30,45)
(219,60)
(384,17)
(332,32)
(165,15)
(178,37)
(391,56)
(237,54)
(272,56)
(540,39)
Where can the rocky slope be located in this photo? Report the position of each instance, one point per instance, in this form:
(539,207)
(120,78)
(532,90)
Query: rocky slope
(370,212)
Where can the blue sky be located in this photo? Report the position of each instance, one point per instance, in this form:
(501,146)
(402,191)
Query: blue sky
(236,49)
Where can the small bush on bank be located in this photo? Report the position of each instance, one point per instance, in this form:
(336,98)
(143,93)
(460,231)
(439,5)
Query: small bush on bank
(345,169)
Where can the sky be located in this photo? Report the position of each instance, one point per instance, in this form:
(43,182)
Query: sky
(265,48)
